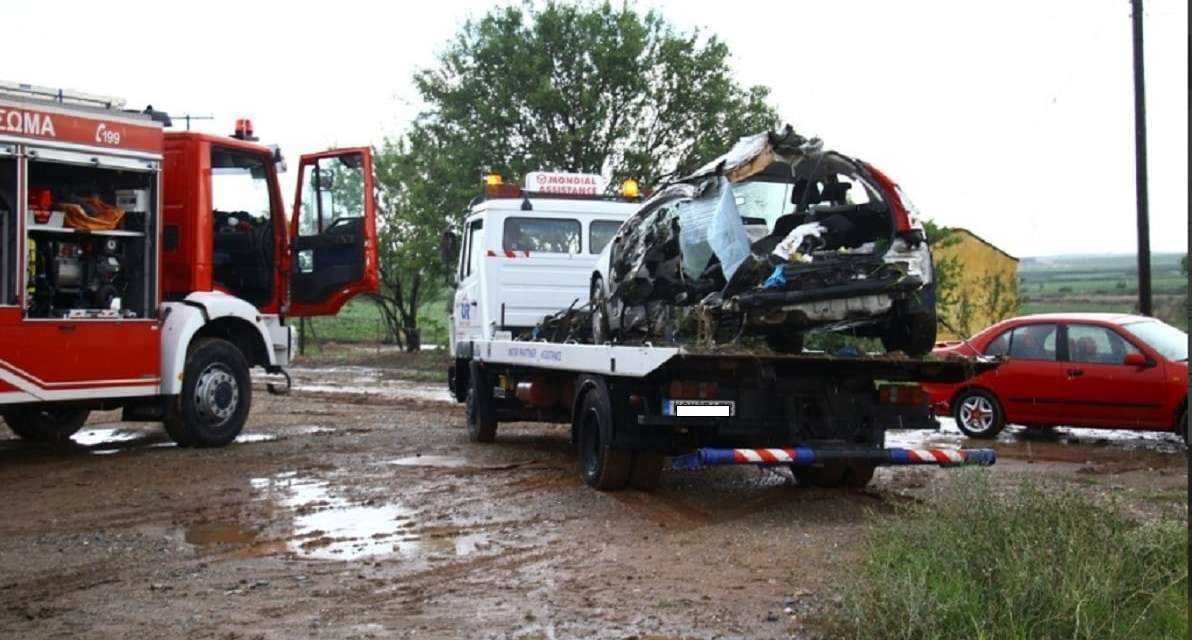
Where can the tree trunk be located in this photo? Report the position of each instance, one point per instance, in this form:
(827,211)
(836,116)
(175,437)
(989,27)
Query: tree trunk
(413,339)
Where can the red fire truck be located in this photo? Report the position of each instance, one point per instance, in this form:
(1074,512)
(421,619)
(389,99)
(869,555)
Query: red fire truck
(149,270)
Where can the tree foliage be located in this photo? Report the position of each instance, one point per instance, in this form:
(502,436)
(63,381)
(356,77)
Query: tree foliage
(558,86)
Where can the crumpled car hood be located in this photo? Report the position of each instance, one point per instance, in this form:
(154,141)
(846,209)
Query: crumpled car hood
(753,154)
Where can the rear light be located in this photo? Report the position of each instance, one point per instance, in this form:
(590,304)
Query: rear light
(900,208)
(680,390)
(906,394)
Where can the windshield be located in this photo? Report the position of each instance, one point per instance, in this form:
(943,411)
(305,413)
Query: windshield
(1164,338)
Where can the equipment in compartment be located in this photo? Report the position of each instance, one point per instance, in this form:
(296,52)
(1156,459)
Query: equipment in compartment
(71,274)
(132,200)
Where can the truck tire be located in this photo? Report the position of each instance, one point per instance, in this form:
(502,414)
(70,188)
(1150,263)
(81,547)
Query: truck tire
(911,333)
(482,420)
(602,467)
(978,414)
(647,470)
(38,424)
(216,396)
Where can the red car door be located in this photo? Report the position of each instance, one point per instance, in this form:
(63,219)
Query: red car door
(1101,390)
(1025,383)
(333,232)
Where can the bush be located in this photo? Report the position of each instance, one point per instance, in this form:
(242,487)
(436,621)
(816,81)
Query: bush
(1040,562)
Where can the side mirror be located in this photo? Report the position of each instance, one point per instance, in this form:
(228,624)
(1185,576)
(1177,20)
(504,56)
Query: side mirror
(449,249)
(1135,359)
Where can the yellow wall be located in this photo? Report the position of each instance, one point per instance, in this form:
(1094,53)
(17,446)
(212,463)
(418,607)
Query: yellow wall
(986,284)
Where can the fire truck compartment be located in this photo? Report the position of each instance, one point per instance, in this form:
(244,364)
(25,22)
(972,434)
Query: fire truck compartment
(85,255)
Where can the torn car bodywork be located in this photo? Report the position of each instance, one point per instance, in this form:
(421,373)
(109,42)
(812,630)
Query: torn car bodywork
(775,238)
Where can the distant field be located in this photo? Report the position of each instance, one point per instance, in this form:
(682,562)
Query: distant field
(1101,283)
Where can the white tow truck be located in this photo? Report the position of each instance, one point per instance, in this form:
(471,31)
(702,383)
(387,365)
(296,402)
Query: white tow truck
(528,253)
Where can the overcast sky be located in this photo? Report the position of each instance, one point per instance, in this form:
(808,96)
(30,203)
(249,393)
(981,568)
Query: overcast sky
(1010,118)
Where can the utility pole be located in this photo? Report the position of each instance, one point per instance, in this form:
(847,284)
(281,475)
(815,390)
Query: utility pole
(1140,182)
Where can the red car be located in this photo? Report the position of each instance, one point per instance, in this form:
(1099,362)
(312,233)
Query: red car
(1072,369)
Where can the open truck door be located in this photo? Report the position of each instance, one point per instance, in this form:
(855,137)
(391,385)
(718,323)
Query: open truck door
(333,231)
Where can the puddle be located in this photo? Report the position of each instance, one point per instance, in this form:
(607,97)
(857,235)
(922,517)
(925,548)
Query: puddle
(1061,444)
(248,438)
(106,436)
(210,534)
(430,461)
(329,526)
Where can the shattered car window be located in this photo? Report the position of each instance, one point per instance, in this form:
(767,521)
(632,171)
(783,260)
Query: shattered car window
(765,200)
(544,235)
(600,232)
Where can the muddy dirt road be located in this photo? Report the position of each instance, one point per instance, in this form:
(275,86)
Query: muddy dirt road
(357,509)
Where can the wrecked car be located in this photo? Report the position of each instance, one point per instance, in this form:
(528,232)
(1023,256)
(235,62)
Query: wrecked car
(774,239)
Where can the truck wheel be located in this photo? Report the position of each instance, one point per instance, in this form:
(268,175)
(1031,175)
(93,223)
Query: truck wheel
(482,422)
(216,396)
(603,467)
(600,329)
(646,471)
(1182,426)
(911,333)
(978,414)
(855,475)
(37,424)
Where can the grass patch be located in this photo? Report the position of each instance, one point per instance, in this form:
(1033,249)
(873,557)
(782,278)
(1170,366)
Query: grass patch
(360,321)
(1038,562)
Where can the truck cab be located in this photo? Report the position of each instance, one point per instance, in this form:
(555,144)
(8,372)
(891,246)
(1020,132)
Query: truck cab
(528,251)
(149,270)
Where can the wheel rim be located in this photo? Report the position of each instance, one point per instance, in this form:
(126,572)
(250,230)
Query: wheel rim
(217,395)
(591,443)
(976,414)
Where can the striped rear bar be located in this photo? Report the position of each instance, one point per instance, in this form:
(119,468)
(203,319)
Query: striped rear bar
(803,456)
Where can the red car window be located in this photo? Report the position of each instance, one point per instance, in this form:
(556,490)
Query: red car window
(1034,342)
(1096,345)
(999,346)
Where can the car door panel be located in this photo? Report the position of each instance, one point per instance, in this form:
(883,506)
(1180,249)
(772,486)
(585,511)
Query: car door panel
(1101,390)
(1025,383)
(333,231)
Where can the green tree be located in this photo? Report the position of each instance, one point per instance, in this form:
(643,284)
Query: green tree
(556,86)
(416,203)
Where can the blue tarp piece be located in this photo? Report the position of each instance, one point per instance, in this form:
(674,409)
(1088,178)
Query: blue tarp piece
(776,279)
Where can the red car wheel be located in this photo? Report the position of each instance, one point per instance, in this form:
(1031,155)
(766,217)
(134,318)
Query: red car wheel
(978,414)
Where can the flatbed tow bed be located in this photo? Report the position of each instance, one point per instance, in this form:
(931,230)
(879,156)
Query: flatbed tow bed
(527,253)
(630,406)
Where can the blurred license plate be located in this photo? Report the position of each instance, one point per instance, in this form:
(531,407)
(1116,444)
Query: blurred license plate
(702,408)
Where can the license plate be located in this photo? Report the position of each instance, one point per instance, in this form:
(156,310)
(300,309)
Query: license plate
(701,408)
